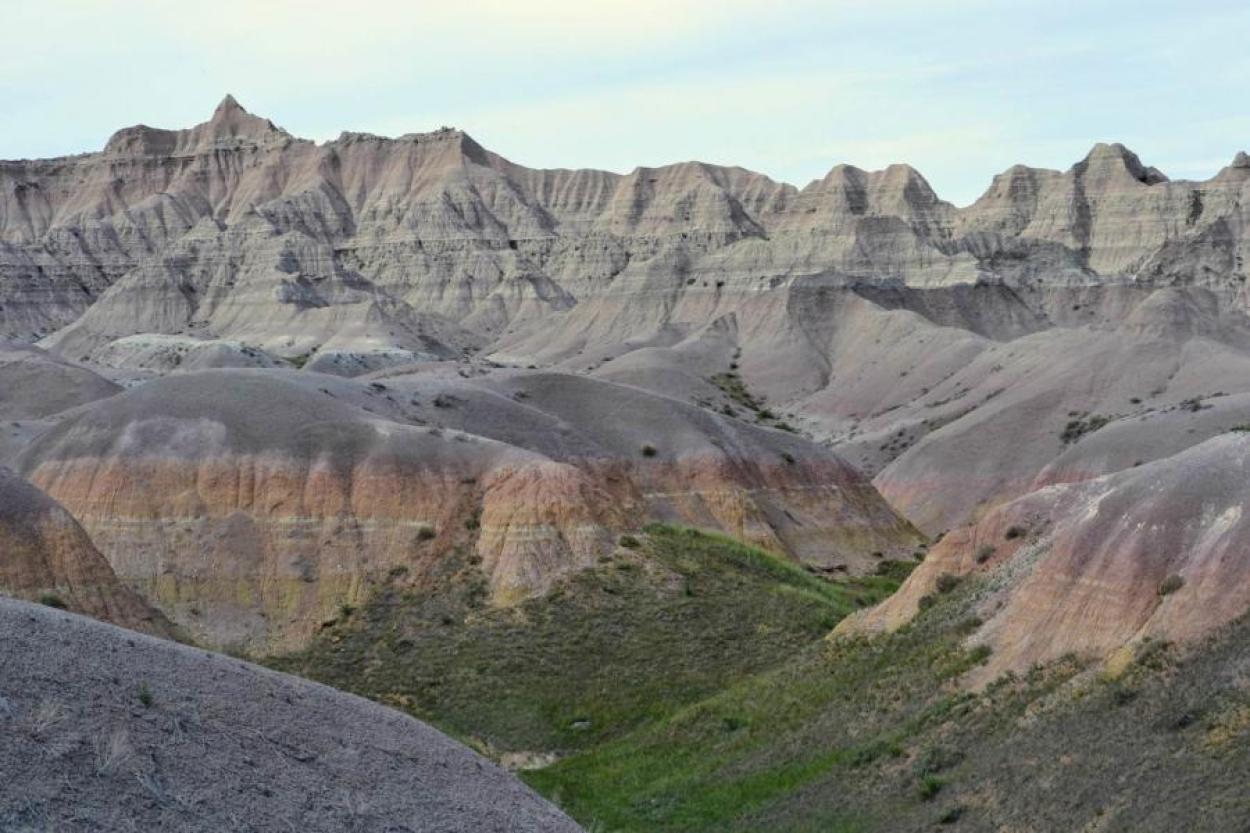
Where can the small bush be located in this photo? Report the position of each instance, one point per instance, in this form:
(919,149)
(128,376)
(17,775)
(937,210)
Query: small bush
(930,786)
(1013,532)
(648,450)
(936,759)
(980,654)
(426,533)
(788,457)
(985,553)
(630,542)
(52,600)
(1171,584)
(953,814)
(1077,428)
(145,695)
(947,582)
(926,601)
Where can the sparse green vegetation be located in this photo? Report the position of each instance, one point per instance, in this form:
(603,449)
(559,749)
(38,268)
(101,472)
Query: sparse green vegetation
(50,599)
(1171,584)
(619,646)
(731,385)
(929,786)
(815,745)
(1079,427)
(145,695)
(984,553)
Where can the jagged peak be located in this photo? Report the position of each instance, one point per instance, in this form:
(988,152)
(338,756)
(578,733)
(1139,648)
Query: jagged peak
(231,121)
(1237,171)
(228,105)
(1115,156)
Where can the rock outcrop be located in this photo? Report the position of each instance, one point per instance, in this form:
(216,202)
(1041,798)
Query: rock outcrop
(46,556)
(1099,566)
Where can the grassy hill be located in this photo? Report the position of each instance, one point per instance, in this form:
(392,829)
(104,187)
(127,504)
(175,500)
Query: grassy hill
(873,735)
(686,686)
(672,617)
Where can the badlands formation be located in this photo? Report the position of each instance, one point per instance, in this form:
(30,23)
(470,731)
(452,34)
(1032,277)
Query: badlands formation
(251,382)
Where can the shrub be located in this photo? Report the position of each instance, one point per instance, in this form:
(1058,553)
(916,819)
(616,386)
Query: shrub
(648,450)
(788,457)
(1171,584)
(145,695)
(947,582)
(926,601)
(953,814)
(426,533)
(985,553)
(1013,532)
(1077,428)
(630,542)
(52,600)
(930,786)
(980,654)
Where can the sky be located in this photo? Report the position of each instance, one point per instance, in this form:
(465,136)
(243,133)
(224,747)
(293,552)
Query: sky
(960,89)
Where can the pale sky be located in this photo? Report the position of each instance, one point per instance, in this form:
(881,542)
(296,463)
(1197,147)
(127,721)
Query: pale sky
(960,89)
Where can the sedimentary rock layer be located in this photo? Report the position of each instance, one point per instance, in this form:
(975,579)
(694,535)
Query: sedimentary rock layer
(1155,551)
(252,505)
(46,556)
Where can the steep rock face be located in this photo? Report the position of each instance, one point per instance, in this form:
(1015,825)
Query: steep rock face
(250,510)
(97,719)
(192,219)
(1151,552)
(251,505)
(45,555)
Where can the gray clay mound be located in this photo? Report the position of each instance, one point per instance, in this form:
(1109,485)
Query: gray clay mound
(108,730)
(34,384)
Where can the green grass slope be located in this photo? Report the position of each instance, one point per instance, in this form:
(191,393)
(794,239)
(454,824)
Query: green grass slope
(874,735)
(686,686)
(672,617)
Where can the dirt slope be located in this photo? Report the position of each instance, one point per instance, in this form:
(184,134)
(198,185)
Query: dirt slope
(110,730)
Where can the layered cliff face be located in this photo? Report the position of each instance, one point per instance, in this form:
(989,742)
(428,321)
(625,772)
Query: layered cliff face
(1100,567)
(196,227)
(252,505)
(46,556)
